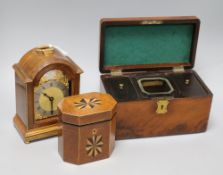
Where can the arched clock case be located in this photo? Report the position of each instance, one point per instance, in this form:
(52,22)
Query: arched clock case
(43,76)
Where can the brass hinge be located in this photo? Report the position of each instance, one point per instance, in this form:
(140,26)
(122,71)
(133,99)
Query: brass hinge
(178,69)
(116,72)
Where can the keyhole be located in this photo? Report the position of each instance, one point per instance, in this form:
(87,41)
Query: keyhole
(161,107)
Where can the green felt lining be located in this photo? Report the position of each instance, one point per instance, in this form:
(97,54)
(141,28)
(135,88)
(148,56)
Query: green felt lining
(149,44)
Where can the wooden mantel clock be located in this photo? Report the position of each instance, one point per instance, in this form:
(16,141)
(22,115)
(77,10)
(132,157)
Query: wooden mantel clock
(43,76)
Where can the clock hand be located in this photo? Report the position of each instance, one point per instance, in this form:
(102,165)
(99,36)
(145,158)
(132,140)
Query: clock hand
(51,99)
(51,104)
(46,96)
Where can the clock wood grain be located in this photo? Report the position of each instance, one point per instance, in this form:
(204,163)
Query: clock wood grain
(28,73)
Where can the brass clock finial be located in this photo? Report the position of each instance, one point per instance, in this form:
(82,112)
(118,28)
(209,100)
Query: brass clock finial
(45,50)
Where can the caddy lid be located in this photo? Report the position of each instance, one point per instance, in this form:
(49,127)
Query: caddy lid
(87,108)
(138,44)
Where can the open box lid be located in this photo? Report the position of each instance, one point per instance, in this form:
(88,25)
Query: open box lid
(153,43)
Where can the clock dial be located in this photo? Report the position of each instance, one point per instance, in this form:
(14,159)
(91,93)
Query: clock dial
(52,88)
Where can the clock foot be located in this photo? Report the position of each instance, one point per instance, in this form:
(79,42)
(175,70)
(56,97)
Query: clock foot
(26,142)
(29,135)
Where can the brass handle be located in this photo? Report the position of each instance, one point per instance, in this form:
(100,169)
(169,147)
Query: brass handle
(45,50)
(162,106)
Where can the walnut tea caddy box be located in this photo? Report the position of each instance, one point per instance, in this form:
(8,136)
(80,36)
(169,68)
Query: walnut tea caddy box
(147,65)
(88,127)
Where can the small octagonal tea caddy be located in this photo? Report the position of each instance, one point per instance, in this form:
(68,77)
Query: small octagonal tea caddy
(88,127)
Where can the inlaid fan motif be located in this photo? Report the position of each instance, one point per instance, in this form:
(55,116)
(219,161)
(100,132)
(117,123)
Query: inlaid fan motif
(94,145)
(87,103)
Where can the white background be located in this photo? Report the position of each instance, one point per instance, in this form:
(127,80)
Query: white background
(74,26)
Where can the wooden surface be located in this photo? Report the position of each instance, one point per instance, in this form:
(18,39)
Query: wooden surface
(184,115)
(138,118)
(87,108)
(36,133)
(138,21)
(28,71)
(74,26)
(73,141)
(88,132)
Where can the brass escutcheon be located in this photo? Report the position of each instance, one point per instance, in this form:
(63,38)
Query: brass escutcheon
(162,106)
